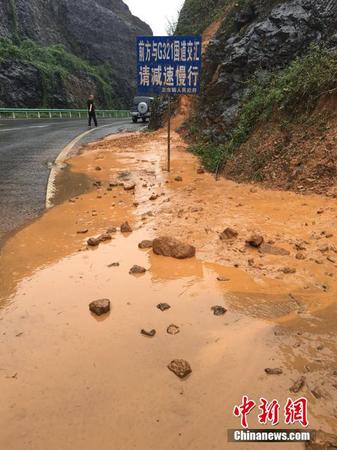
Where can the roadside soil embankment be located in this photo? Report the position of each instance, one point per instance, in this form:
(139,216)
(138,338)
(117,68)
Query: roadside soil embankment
(70,380)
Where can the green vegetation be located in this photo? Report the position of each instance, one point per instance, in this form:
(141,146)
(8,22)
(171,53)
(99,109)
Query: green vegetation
(292,91)
(197,15)
(55,64)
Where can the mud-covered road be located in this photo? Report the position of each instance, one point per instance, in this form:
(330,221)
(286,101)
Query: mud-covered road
(73,381)
(27,150)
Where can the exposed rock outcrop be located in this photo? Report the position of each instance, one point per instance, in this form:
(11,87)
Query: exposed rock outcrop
(100,32)
(263,35)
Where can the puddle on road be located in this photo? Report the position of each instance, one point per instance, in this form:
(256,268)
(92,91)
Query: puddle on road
(72,381)
(70,184)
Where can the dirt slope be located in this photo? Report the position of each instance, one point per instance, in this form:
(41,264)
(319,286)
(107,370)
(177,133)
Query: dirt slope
(292,153)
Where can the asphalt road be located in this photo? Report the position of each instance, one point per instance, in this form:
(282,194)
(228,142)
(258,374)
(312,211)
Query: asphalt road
(27,147)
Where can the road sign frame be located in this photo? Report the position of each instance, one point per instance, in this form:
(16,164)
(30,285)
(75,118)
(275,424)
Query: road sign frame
(169,65)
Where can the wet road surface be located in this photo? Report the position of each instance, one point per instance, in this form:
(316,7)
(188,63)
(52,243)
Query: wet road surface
(27,147)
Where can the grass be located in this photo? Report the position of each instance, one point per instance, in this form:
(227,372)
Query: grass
(55,63)
(292,91)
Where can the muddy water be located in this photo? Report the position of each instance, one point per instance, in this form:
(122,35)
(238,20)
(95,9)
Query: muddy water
(71,381)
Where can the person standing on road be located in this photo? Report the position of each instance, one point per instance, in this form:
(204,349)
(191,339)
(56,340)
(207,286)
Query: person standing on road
(91,110)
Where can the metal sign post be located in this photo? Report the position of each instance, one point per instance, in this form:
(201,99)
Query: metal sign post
(168,65)
(169,136)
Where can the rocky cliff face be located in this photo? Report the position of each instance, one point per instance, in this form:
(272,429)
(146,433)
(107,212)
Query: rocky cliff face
(99,32)
(258,35)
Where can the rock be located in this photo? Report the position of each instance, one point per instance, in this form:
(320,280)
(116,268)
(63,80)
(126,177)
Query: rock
(163,306)
(273,371)
(125,228)
(200,171)
(300,256)
(130,186)
(219,310)
(145,244)
(137,270)
(288,270)
(171,247)
(111,230)
(94,242)
(180,367)
(272,250)
(151,333)
(298,385)
(222,279)
(100,307)
(255,241)
(317,393)
(115,264)
(178,178)
(98,168)
(173,329)
(83,231)
(228,233)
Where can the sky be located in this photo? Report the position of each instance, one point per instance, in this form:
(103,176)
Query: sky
(156,13)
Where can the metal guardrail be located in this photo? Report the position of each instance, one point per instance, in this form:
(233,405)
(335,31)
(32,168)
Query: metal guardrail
(43,113)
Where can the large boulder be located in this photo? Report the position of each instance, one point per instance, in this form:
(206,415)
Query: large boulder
(168,246)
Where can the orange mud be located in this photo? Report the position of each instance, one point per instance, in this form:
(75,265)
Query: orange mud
(70,381)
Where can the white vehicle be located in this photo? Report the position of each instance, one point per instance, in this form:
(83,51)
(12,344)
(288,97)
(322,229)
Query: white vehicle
(141,109)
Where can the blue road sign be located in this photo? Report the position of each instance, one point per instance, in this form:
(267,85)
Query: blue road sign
(168,64)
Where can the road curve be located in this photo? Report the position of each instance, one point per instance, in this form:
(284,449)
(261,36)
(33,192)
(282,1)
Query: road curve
(27,147)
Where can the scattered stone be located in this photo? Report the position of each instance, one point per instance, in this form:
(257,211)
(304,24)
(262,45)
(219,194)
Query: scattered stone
(272,250)
(173,329)
(276,371)
(200,171)
(115,264)
(163,306)
(219,310)
(180,367)
(288,270)
(111,230)
(135,204)
(298,385)
(228,234)
(154,197)
(145,244)
(178,178)
(129,186)
(317,393)
(300,256)
(222,279)
(98,168)
(255,241)
(100,307)
(137,270)
(167,246)
(84,231)
(94,242)
(125,228)
(151,333)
